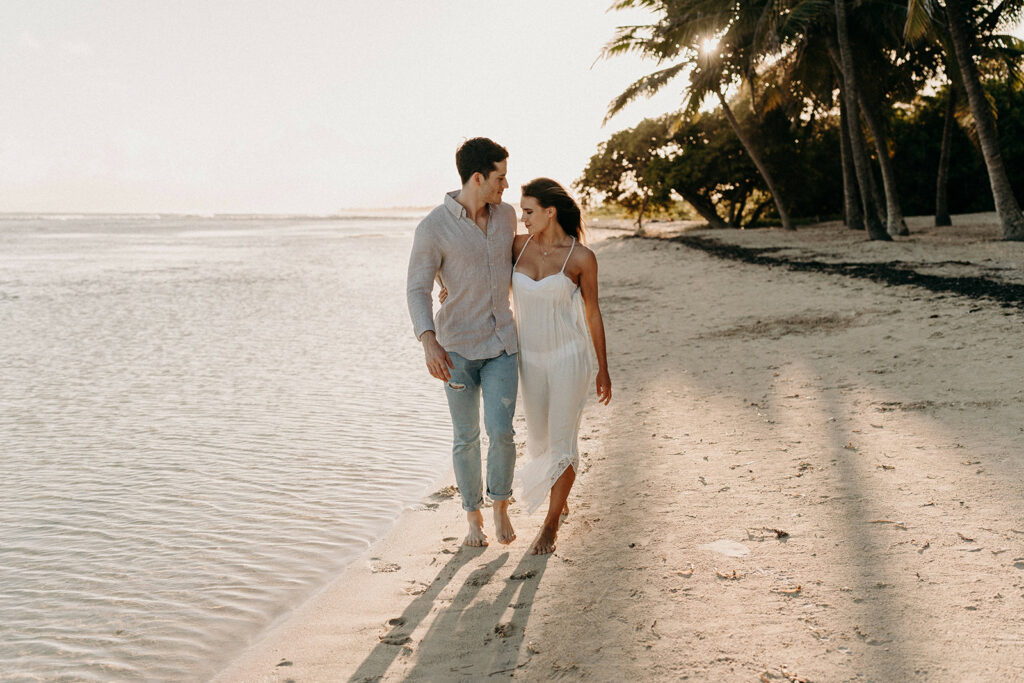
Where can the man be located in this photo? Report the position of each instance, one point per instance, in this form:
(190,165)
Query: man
(472,344)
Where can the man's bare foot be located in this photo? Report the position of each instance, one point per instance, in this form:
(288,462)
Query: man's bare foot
(545,543)
(565,509)
(476,536)
(502,524)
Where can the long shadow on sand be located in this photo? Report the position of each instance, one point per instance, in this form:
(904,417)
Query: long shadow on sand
(390,646)
(490,632)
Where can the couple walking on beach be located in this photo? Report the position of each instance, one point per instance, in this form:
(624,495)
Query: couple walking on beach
(479,350)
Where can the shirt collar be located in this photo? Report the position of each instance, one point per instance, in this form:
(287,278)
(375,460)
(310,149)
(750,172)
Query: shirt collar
(458,210)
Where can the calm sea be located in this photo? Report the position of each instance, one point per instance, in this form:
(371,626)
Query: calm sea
(202,420)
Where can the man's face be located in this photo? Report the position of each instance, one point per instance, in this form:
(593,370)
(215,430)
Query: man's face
(495,183)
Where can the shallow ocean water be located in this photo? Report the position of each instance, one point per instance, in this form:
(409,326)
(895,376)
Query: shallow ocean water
(202,420)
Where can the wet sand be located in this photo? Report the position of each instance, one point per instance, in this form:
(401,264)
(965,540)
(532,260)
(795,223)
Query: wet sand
(803,475)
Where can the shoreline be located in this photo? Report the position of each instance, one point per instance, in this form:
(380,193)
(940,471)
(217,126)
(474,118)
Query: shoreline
(801,475)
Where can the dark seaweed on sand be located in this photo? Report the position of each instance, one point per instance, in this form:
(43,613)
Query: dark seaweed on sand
(890,272)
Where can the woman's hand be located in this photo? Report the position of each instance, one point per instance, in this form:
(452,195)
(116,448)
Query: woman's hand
(442,295)
(604,387)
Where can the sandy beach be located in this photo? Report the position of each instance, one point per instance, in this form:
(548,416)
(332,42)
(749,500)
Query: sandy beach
(804,475)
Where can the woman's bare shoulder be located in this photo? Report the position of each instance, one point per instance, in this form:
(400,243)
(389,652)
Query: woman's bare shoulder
(583,255)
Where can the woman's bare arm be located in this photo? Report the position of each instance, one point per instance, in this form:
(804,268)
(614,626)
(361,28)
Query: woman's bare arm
(588,288)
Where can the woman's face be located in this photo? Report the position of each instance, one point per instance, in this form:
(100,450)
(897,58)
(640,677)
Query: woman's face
(536,218)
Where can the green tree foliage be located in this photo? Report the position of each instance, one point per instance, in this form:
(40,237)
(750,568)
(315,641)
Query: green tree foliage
(969,26)
(777,70)
(618,173)
(715,44)
(703,163)
(916,136)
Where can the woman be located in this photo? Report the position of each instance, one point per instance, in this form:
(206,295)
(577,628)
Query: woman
(554,287)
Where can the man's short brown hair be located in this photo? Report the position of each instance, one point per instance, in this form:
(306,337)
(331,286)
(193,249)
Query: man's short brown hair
(478,155)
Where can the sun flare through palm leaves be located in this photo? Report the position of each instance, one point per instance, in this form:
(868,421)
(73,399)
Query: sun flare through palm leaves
(848,70)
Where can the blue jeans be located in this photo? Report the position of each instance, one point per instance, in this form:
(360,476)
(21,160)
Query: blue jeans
(498,380)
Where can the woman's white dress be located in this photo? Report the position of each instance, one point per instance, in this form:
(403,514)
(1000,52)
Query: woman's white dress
(555,371)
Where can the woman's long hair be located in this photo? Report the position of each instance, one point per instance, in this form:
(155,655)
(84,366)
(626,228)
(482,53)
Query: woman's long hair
(549,193)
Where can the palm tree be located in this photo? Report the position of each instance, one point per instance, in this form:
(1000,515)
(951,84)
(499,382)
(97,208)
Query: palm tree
(852,210)
(963,37)
(849,94)
(813,27)
(895,224)
(986,52)
(942,217)
(713,42)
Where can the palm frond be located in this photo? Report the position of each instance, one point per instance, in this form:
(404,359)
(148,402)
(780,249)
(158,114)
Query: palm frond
(1004,15)
(920,16)
(680,119)
(644,87)
(1012,46)
(806,14)
(628,39)
(704,81)
(630,4)
(1003,53)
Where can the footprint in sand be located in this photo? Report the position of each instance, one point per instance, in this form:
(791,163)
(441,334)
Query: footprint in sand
(380,567)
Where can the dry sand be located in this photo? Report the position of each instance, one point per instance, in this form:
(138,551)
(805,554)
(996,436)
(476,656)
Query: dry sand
(801,476)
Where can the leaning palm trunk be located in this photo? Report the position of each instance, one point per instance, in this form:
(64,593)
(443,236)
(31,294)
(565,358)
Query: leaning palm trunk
(851,202)
(1007,208)
(704,207)
(755,156)
(942,177)
(876,231)
(894,224)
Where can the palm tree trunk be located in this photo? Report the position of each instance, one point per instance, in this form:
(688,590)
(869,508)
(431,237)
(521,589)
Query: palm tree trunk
(704,207)
(748,145)
(895,224)
(942,177)
(1007,208)
(851,202)
(869,195)
(876,198)
(861,163)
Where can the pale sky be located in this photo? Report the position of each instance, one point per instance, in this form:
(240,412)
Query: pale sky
(302,106)
(297,106)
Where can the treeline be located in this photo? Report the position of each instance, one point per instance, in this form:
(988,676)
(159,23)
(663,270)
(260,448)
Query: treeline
(814,109)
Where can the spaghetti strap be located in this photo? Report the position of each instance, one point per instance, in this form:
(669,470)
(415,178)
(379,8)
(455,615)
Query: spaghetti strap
(568,255)
(521,252)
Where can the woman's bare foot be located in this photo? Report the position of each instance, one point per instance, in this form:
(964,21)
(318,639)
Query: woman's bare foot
(545,543)
(502,524)
(476,536)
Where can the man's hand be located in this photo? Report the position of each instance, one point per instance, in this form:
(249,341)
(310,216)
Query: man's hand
(438,360)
